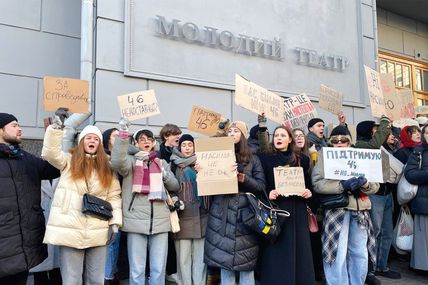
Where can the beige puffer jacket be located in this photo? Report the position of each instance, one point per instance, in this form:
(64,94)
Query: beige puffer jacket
(67,226)
(329,186)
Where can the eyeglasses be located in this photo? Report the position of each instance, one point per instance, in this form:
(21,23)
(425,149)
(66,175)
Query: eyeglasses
(339,140)
(300,136)
(144,140)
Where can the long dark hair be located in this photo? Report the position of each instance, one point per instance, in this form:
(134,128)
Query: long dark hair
(292,148)
(305,149)
(242,151)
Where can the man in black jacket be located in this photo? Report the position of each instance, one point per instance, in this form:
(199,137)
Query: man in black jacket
(22,224)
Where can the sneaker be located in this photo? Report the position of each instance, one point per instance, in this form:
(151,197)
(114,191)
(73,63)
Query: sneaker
(372,280)
(173,278)
(389,274)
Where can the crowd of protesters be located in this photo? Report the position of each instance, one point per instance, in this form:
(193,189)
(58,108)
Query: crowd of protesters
(132,172)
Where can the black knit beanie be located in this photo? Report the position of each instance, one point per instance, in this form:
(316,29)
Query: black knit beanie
(185,137)
(313,121)
(6,118)
(364,130)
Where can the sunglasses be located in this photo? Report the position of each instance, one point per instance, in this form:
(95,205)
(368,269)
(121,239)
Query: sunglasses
(339,140)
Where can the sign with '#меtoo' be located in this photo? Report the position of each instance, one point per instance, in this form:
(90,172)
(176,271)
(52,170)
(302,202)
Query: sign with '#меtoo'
(299,110)
(204,121)
(392,102)
(258,99)
(330,100)
(138,105)
(216,157)
(65,92)
(289,180)
(377,102)
(344,163)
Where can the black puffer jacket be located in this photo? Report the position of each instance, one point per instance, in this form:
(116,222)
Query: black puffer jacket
(229,244)
(22,224)
(418,176)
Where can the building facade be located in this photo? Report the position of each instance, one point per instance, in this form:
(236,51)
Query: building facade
(189,52)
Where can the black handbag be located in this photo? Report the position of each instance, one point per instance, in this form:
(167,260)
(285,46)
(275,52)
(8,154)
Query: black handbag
(263,219)
(333,201)
(96,207)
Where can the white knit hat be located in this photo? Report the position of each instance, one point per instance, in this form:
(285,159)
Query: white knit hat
(90,130)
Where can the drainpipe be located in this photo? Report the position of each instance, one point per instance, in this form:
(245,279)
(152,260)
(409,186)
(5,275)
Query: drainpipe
(86,56)
(375,36)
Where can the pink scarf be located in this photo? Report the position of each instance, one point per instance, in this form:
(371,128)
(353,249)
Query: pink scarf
(147,178)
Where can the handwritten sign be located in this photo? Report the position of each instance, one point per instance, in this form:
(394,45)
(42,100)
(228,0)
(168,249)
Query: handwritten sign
(299,110)
(65,92)
(204,121)
(344,163)
(408,109)
(138,105)
(216,157)
(330,100)
(423,110)
(377,102)
(289,180)
(258,99)
(390,96)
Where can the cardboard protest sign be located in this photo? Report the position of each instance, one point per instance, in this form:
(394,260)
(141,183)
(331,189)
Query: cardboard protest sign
(330,100)
(65,92)
(421,110)
(203,121)
(138,105)
(344,163)
(289,180)
(258,99)
(390,96)
(407,106)
(351,128)
(377,102)
(216,157)
(298,111)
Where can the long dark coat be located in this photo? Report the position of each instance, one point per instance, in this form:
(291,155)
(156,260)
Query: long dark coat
(22,224)
(289,259)
(229,244)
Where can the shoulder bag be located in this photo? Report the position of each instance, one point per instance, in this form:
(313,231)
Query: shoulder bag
(333,201)
(406,191)
(173,215)
(312,221)
(96,207)
(263,219)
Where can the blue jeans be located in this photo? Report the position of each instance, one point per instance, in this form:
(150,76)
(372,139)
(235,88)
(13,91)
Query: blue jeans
(191,268)
(381,214)
(137,255)
(350,266)
(245,277)
(112,256)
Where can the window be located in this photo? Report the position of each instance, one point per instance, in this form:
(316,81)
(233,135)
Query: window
(407,74)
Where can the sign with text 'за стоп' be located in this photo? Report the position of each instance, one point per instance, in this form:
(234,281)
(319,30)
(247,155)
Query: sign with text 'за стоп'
(138,105)
(65,92)
(216,158)
(258,99)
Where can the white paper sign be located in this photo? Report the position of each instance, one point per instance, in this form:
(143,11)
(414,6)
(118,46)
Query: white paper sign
(138,105)
(344,163)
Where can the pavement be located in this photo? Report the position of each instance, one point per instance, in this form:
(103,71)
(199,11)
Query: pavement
(408,277)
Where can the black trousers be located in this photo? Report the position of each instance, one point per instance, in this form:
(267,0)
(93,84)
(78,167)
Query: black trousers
(15,279)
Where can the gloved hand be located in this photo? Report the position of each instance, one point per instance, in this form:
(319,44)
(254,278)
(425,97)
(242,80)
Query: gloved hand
(223,124)
(261,119)
(58,119)
(351,184)
(361,181)
(113,230)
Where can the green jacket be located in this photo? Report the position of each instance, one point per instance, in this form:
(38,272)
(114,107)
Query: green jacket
(378,138)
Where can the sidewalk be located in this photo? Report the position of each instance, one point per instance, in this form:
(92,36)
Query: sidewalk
(407,277)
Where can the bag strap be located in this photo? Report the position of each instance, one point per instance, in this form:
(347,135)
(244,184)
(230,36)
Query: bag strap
(274,209)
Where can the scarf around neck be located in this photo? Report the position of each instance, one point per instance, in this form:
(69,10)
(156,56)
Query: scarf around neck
(10,151)
(186,176)
(319,143)
(147,179)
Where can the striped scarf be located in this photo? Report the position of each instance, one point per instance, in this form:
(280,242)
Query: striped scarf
(147,179)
